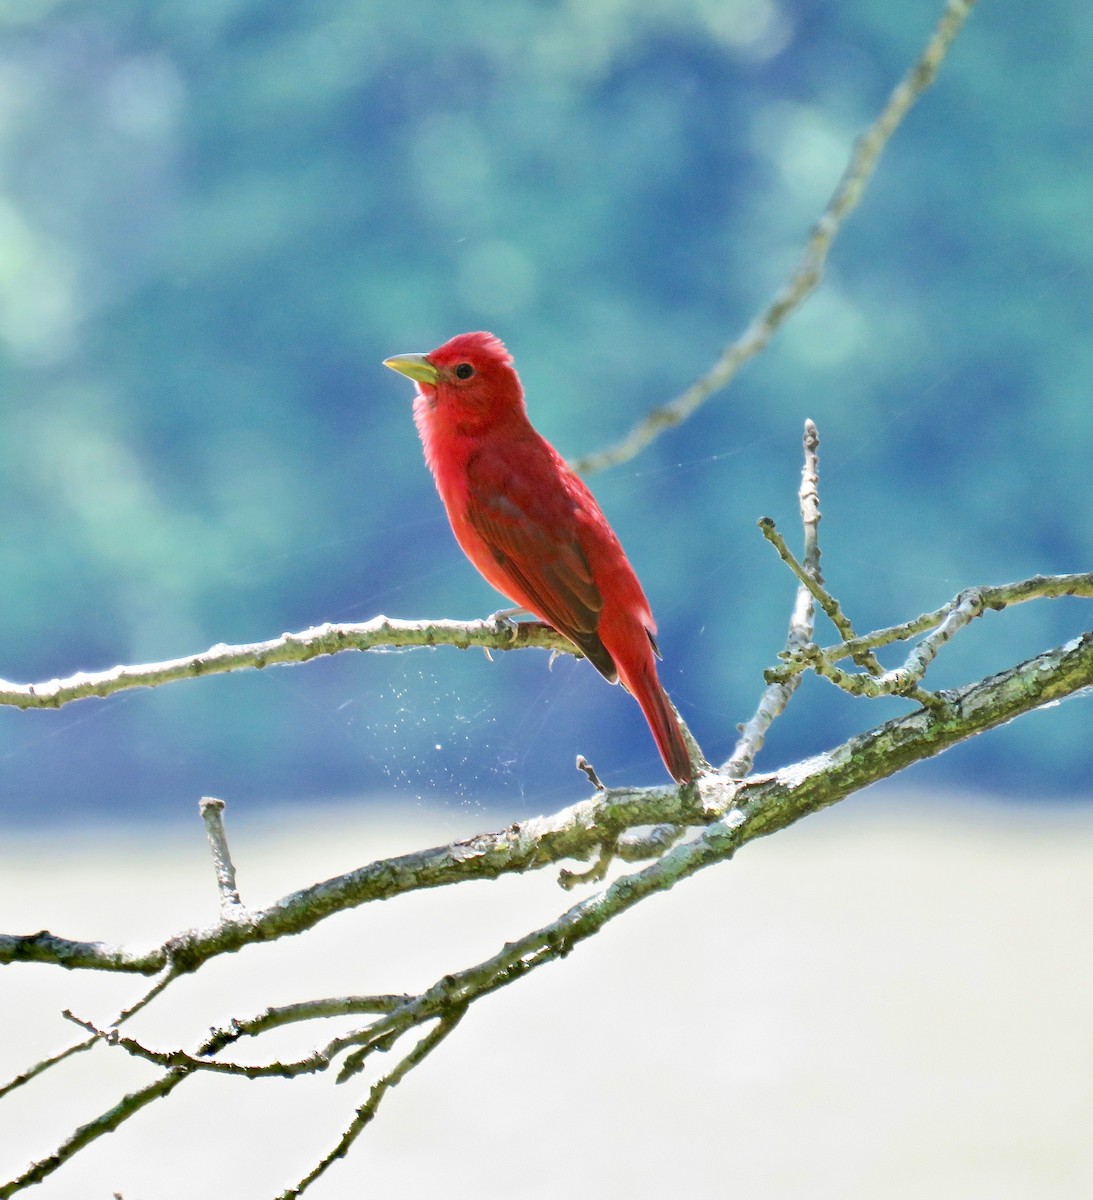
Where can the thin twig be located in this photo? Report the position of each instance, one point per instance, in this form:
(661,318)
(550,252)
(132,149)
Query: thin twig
(901,683)
(380,1088)
(809,271)
(903,680)
(170,974)
(45,1064)
(53,1060)
(307,1010)
(181,1066)
(379,633)
(103,1124)
(180,1060)
(777,696)
(589,771)
(212,813)
(995,597)
(811,582)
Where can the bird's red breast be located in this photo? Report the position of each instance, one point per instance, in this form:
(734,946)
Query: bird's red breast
(530,525)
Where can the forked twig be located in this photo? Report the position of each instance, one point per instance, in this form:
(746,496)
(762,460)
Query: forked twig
(380,1088)
(773,701)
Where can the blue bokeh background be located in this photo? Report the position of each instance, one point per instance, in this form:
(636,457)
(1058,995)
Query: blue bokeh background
(217,218)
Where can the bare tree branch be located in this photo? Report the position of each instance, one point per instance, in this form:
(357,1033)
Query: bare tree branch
(380,1088)
(809,271)
(166,979)
(578,831)
(105,1123)
(777,695)
(212,813)
(945,621)
(380,632)
(289,1014)
(905,685)
(734,811)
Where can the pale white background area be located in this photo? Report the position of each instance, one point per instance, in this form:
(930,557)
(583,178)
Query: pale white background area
(893,999)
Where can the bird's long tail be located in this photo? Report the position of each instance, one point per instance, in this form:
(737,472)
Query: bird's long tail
(646,689)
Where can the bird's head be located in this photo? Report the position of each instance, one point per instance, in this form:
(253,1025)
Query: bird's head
(470,378)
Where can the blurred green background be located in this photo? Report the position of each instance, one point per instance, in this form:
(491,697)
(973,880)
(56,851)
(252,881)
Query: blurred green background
(217,218)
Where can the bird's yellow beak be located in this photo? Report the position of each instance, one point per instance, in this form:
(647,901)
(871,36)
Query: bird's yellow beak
(414,366)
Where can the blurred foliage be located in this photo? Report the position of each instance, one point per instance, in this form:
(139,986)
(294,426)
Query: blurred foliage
(217,218)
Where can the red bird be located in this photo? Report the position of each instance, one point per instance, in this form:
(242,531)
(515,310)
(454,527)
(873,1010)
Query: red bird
(530,525)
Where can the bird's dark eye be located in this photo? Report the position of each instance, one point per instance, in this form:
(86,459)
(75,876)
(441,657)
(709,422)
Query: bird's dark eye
(464,371)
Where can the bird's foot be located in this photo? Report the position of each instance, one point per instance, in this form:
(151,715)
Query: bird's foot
(505,616)
(503,620)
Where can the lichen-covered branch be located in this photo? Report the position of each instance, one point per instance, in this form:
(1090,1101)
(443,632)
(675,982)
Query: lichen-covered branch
(737,812)
(944,622)
(577,832)
(380,632)
(778,693)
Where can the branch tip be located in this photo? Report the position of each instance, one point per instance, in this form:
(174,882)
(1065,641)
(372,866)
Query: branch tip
(212,813)
(589,770)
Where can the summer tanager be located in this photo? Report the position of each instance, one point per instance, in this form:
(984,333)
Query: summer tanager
(530,525)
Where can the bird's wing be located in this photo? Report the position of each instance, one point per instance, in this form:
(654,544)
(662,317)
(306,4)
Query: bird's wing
(531,533)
